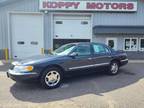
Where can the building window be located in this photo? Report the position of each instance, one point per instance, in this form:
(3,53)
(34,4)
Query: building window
(59,22)
(130,44)
(127,44)
(141,44)
(84,22)
(20,42)
(34,43)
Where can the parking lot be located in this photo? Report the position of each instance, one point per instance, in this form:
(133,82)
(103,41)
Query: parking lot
(125,90)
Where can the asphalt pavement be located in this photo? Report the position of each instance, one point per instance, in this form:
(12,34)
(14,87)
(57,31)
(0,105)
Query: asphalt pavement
(126,90)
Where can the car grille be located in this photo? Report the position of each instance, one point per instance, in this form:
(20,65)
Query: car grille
(12,67)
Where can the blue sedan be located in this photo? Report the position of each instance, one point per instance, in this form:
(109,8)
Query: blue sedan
(50,69)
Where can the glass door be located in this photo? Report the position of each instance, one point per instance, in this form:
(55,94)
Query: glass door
(112,42)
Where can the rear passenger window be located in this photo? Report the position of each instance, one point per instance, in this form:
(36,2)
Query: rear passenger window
(100,49)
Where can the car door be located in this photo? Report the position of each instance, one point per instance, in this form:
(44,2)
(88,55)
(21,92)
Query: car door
(101,55)
(83,58)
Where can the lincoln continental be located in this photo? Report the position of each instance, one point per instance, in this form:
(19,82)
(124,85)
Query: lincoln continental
(51,69)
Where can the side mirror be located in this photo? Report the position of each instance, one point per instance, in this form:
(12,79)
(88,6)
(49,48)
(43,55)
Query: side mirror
(73,54)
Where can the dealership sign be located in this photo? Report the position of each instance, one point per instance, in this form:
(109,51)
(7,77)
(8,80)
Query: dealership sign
(55,5)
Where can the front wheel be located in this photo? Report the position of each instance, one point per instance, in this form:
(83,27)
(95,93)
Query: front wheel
(51,78)
(114,68)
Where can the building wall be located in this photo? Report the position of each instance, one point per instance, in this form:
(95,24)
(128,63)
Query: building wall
(100,18)
(24,5)
(108,18)
(21,6)
(102,39)
(120,38)
(120,44)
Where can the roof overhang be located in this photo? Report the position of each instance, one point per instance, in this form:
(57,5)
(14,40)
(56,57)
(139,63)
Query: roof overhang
(118,29)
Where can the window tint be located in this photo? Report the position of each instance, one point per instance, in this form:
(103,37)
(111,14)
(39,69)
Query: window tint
(100,49)
(59,22)
(142,43)
(84,22)
(20,42)
(83,50)
(64,50)
(34,43)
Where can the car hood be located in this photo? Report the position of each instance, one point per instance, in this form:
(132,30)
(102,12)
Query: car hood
(37,59)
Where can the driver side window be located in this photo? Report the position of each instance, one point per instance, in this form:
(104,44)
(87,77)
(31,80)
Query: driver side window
(83,50)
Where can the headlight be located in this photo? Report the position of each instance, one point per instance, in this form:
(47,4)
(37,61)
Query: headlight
(23,68)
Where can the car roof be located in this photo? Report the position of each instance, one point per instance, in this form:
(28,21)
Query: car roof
(78,43)
(91,43)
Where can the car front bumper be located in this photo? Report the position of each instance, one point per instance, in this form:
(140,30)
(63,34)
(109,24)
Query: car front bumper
(22,76)
(124,62)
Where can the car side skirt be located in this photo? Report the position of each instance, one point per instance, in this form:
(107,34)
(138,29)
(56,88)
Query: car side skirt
(89,66)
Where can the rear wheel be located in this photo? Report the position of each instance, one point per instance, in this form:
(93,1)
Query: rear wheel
(51,78)
(114,68)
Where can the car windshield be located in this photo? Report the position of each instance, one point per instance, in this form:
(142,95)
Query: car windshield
(64,50)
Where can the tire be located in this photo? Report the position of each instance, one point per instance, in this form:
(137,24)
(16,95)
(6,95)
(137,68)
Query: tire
(114,68)
(51,78)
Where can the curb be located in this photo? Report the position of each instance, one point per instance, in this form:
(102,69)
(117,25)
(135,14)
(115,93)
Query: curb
(136,61)
(3,73)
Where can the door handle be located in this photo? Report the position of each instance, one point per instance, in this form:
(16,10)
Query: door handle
(89,58)
(110,56)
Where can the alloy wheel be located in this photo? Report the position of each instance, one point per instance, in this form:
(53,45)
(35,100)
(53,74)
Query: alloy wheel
(114,68)
(52,78)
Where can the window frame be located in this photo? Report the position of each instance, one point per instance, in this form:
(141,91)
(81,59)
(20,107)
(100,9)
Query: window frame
(75,50)
(140,49)
(137,40)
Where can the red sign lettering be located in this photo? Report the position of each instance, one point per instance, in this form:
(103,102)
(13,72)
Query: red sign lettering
(122,6)
(107,5)
(130,6)
(61,4)
(115,6)
(88,5)
(100,6)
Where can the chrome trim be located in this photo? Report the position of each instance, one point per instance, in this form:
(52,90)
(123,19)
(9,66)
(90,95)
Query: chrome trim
(12,72)
(16,63)
(124,60)
(102,57)
(88,66)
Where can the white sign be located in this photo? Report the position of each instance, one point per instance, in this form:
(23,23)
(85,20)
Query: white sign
(55,5)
